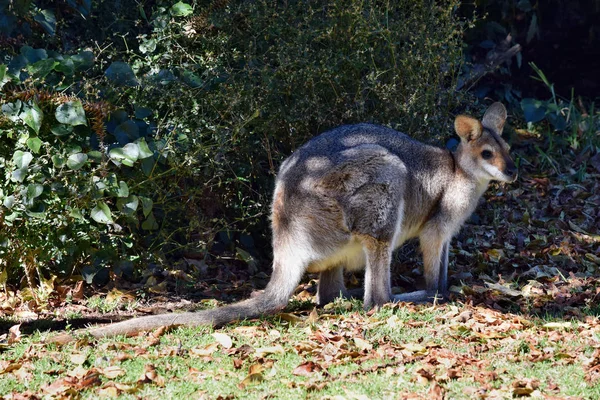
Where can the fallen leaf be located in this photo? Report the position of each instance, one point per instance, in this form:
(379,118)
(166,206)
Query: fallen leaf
(254,376)
(14,334)
(112,371)
(306,369)
(223,339)
(205,351)
(151,375)
(78,358)
(263,351)
(362,344)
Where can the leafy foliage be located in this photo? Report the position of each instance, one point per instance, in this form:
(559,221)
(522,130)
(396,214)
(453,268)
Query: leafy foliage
(235,87)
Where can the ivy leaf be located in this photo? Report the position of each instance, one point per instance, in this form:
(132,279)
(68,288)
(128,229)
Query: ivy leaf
(18,175)
(22,158)
(83,59)
(9,201)
(150,223)
(47,20)
(101,213)
(33,55)
(129,205)
(146,205)
(181,9)
(58,160)
(148,46)
(534,110)
(77,160)
(34,144)
(127,132)
(3,75)
(34,190)
(123,190)
(12,110)
(144,150)
(121,74)
(42,68)
(61,130)
(32,116)
(71,113)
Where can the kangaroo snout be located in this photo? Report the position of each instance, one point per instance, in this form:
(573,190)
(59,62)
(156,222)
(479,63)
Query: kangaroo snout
(511,171)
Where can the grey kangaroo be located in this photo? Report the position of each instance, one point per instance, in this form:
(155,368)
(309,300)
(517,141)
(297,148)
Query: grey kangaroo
(348,198)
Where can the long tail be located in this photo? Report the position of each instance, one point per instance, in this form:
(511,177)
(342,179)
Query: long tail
(272,300)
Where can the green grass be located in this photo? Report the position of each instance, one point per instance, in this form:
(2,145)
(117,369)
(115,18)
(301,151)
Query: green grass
(357,356)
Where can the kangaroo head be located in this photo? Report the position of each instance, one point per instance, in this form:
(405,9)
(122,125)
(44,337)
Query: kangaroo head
(482,152)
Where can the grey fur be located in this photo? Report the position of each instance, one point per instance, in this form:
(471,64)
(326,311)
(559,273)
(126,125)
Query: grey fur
(349,197)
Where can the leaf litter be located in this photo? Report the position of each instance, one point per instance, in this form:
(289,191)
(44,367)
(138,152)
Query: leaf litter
(525,288)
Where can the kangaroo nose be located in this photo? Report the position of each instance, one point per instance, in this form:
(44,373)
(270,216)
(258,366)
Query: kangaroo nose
(511,170)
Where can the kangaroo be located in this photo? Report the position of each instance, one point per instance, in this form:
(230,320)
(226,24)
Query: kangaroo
(347,198)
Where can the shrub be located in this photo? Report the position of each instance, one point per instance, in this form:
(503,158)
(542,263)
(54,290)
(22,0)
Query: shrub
(234,87)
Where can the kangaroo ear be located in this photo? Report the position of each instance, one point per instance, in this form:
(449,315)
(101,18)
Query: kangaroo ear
(495,117)
(468,128)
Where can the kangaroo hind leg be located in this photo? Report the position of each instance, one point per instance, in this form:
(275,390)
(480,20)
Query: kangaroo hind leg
(378,289)
(331,285)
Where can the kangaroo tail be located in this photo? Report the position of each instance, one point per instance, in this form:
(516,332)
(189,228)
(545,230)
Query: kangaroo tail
(273,299)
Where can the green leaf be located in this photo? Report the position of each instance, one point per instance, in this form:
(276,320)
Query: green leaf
(32,116)
(76,213)
(34,190)
(61,130)
(9,201)
(47,20)
(3,76)
(150,223)
(148,46)
(129,205)
(123,190)
(101,213)
(131,151)
(33,55)
(34,144)
(71,113)
(12,110)
(83,59)
(66,66)
(77,160)
(95,155)
(121,74)
(58,160)
(18,175)
(146,205)
(144,150)
(42,68)
(181,9)
(22,159)
(534,110)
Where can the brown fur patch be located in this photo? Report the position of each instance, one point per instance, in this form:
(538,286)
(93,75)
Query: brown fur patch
(278,217)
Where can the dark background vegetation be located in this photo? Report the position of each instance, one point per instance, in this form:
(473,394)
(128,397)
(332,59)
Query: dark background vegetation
(135,134)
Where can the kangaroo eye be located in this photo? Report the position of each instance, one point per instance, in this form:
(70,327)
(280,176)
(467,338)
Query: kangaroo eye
(486,154)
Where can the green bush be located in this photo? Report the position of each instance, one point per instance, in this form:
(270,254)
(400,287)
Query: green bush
(250,81)
(234,87)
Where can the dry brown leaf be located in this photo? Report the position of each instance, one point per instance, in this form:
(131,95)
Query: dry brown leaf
(306,369)
(151,375)
(525,386)
(254,376)
(263,351)
(205,351)
(78,358)
(223,339)
(14,334)
(112,371)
